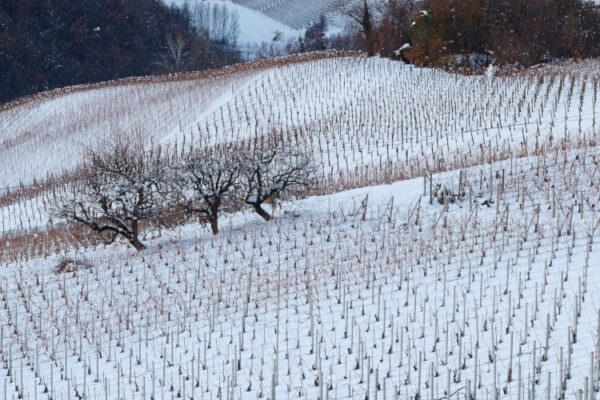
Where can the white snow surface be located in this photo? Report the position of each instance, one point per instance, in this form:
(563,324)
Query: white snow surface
(381,291)
(364,292)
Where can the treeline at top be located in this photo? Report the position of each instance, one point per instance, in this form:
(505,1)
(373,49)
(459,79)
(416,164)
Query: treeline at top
(505,32)
(46,44)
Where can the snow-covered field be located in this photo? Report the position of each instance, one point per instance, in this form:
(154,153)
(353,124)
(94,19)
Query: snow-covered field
(297,14)
(377,288)
(364,120)
(372,292)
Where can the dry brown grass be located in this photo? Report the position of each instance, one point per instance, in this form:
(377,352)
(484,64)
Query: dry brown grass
(42,243)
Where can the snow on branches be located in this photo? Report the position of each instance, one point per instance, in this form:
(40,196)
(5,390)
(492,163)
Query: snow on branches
(124,188)
(269,171)
(118,193)
(204,182)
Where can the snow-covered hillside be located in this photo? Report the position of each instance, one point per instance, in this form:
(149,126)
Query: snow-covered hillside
(297,14)
(255,26)
(283,15)
(369,293)
(364,120)
(446,249)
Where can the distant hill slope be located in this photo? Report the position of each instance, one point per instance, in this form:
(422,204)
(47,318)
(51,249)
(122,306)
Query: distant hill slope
(261,20)
(295,13)
(255,26)
(364,120)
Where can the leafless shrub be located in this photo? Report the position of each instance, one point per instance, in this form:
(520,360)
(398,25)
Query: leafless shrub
(175,50)
(208,182)
(67,265)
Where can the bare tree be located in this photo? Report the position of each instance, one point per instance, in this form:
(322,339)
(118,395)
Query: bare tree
(175,44)
(118,193)
(394,27)
(218,21)
(269,171)
(361,14)
(204,183)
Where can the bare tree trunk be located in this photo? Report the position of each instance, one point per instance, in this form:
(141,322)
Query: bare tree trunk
(175,50)
(139,246)
(362,15)
(260,211)
(214,225)
(135,240)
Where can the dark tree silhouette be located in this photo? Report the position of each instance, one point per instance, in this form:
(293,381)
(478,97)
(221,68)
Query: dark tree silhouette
(48,44)
(361,14)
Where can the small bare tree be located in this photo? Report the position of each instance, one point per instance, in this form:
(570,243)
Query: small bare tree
(174,51)
(219,21)
(204,183)
(270,170)
(118,192)
(361,14)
